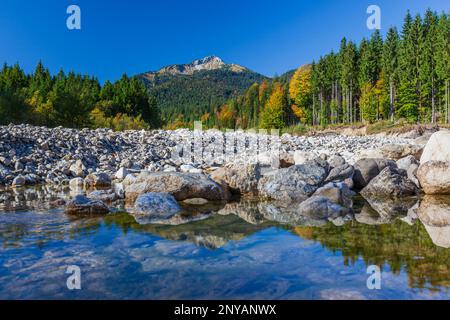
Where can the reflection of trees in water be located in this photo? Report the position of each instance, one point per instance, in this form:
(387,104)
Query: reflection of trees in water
(398,244)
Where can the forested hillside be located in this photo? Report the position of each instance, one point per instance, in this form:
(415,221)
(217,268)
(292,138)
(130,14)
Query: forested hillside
(402,77)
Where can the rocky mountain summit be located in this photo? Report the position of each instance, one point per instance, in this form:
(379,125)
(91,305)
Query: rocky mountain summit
(206,63)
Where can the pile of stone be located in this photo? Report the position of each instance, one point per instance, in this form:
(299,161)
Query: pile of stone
(32,155)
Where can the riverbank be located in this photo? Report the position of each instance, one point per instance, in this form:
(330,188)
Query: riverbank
(159,173)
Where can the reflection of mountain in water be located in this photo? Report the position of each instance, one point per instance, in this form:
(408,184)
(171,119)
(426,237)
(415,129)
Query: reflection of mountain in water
(213,232)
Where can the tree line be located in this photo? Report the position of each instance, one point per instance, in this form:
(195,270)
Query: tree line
(74,100)
(405,76)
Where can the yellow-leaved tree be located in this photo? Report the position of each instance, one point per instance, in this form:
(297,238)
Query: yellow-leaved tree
(273,114)
(300,93)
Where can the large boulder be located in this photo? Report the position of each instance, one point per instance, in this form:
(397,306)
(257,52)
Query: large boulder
(367,169)
(81,205)
(156,205)
(295,183)
(181,185)
(437,148)
(240,178)
(390,182)
(434,177)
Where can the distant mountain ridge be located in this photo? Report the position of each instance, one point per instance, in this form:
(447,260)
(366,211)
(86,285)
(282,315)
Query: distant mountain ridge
(198,87)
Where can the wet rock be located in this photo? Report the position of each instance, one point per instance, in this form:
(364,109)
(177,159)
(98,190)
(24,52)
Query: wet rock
(434,177)
(367,169)
(390,182)
(156,205)
(295,183)
(240,178)
(81,205)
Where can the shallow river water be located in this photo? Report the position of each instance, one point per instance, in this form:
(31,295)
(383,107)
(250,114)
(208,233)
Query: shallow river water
(221,255)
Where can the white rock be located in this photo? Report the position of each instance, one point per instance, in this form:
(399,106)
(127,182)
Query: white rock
(121,173)
(437,148)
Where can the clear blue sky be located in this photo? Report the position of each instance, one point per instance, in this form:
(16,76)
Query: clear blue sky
(133,36)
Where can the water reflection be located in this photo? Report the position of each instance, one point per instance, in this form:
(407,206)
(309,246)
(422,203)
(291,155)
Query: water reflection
(264,235)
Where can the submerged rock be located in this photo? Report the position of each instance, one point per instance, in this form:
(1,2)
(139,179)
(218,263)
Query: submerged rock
(81,205)
(156,205)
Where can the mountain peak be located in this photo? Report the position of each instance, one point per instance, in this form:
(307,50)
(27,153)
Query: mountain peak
(207,63)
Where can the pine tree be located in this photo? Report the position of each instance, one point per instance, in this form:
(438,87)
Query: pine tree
(390,66)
